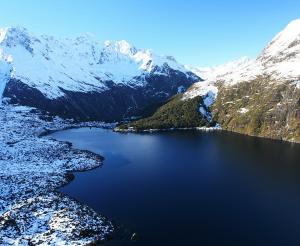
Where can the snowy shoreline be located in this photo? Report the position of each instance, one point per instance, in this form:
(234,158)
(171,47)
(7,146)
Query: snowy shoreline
(205,129)
(33,167)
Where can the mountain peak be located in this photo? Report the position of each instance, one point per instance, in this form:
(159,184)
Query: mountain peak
(12,32)
(79,64)
(220,71)
(13,36)
(284,45)
(293,28)
(121,46)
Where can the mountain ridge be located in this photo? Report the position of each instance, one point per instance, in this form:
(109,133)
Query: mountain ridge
(258,97)
(48,73)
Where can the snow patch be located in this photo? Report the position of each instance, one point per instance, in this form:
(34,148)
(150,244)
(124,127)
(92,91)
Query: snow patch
(180,89)
(243,110)
(205,113)
(297,84)
(208,91)
(209,98)
(201,89)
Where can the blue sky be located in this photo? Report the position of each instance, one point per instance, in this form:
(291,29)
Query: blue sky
(195,32)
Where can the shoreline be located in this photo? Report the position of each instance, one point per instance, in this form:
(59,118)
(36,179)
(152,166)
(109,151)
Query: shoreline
(205,129)
(32,209)
(34,167)
(201,129)
(120,234)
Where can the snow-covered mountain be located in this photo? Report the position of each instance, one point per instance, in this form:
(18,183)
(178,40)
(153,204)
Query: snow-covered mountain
(258,97)
(280,60)
(55,68)
(219,71)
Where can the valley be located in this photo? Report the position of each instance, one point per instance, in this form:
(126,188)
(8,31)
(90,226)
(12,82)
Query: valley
(50,84)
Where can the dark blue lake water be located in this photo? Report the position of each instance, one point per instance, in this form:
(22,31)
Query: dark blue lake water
(192,188)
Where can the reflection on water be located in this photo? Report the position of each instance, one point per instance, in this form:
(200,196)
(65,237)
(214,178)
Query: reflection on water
(192,188)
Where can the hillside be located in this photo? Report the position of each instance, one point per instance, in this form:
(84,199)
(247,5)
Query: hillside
(176,113)
(259,97)
(83,78)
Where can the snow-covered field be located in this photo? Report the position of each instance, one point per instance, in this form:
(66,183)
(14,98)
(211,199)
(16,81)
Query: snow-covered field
(32,212)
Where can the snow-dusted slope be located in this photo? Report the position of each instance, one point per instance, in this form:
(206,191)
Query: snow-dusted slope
(83,64)
(227,72)
(258,97)
(84,78)
(232,72)
(280,60)
(281,57)
(216,72)
(5,73)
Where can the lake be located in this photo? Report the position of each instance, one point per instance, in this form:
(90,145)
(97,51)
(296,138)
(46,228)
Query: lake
(191,188)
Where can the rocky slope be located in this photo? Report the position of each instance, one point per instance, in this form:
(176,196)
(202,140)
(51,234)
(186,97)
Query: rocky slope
(263,98)
(83,78)
(260,107)
(259,97)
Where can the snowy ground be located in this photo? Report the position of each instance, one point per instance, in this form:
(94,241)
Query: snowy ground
(32,212)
